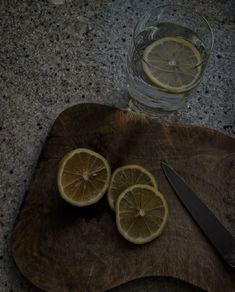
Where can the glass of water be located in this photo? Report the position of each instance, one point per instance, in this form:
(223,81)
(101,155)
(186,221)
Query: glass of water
(167,57)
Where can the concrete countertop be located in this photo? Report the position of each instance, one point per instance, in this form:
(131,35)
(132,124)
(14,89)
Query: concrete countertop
(58,53)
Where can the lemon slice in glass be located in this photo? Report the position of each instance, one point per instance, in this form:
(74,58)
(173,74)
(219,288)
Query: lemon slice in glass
(173,64)
(141,213)
(83,177)
(126,176)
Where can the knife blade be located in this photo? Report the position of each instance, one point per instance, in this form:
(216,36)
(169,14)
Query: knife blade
(220,238)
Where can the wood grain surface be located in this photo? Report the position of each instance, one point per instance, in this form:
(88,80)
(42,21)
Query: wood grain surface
(59,247)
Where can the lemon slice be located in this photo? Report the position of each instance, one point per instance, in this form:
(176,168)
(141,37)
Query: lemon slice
(125,177)
(172,63)
(83,177)
(141,213)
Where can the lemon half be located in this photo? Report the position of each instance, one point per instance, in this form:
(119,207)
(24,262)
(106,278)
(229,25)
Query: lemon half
(126,176)
(141,213)
(173,64)
(83,177)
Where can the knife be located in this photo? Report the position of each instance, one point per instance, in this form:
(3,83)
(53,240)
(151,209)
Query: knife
(220,238)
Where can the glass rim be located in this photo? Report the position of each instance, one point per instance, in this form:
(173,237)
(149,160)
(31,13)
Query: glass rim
(188,9)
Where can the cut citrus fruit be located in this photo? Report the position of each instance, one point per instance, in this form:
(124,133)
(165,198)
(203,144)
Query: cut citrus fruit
(141,213)
(83,177)
(125,177)
(172,63)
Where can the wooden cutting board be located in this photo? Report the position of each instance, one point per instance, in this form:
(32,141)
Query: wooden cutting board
(59,247)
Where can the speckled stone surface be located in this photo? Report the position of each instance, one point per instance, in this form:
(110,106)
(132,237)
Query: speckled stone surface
(58,53)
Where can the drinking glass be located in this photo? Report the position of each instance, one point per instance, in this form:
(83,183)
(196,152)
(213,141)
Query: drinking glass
(167,57)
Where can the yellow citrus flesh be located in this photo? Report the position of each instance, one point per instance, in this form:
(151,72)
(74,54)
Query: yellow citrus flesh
(125,177)
(83,177)
(172,63)
(141,213)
